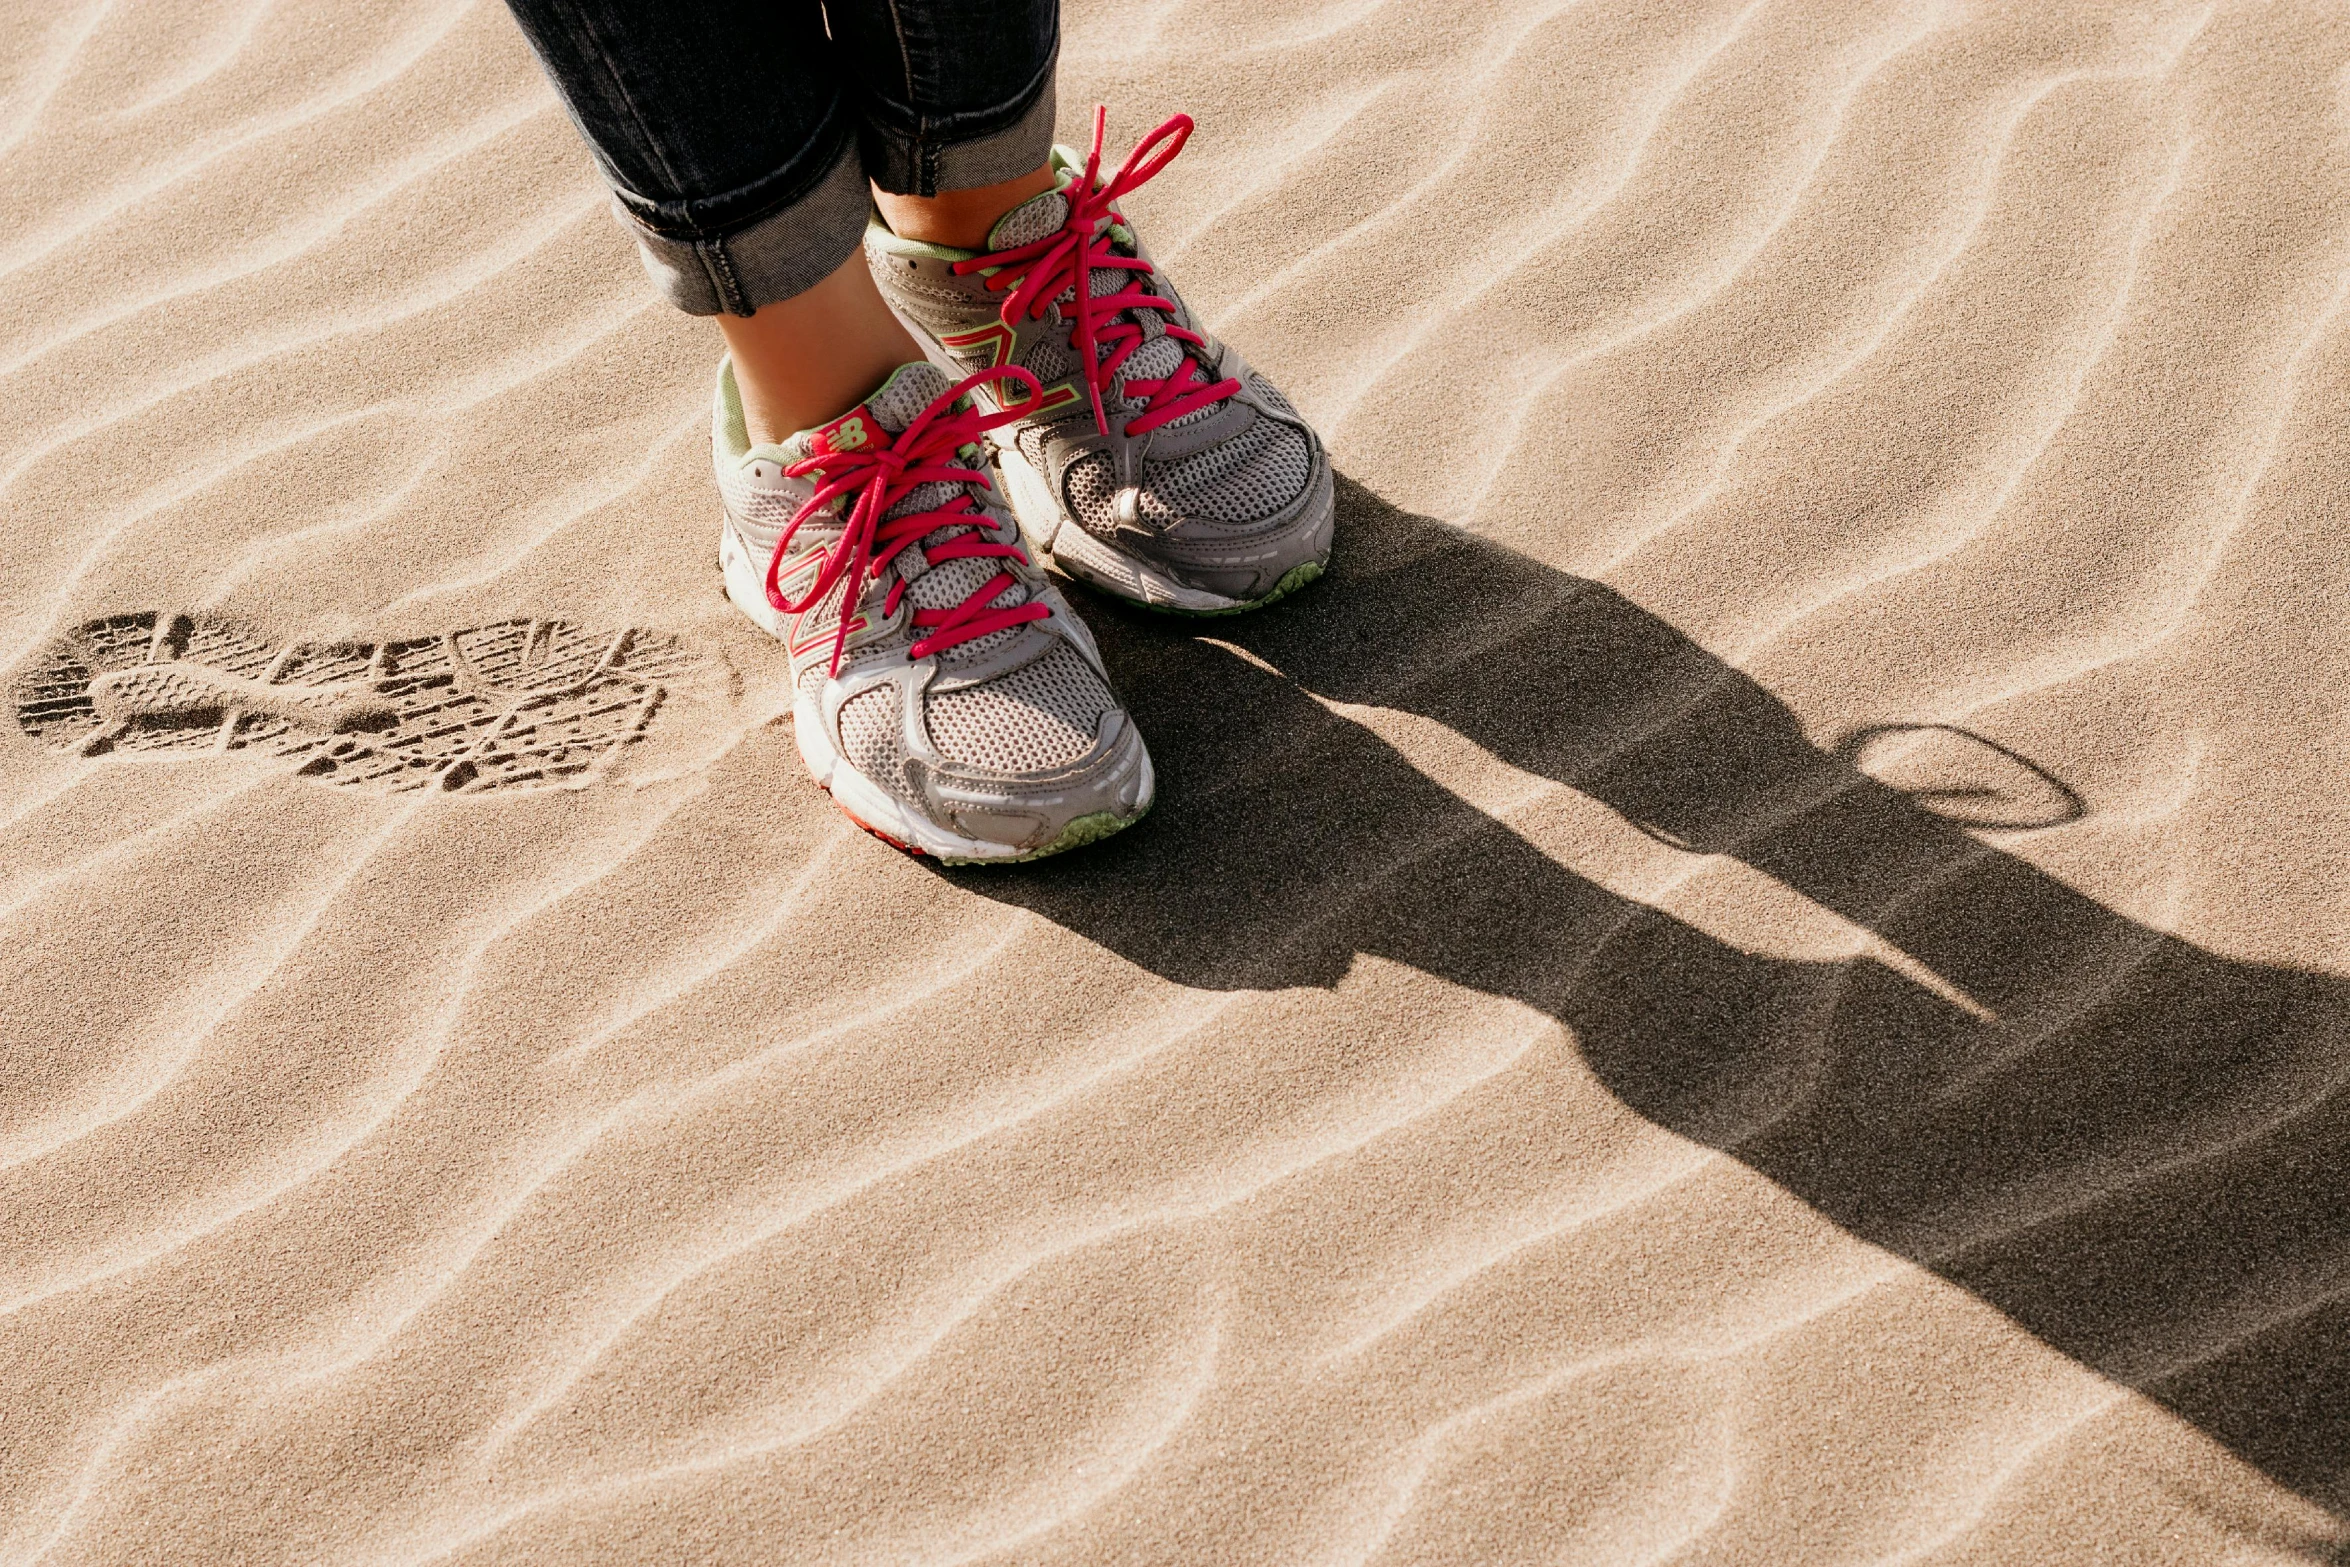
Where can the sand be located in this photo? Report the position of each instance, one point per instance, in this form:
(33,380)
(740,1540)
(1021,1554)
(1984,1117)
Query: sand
(1760,976)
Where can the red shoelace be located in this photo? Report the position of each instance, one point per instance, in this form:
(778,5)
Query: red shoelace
(1038,272)
(881,470)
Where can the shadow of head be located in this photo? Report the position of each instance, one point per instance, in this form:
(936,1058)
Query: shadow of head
(2133,1147)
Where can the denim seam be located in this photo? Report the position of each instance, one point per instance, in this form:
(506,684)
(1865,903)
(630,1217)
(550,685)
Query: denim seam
(925,175)
(722,273)
(933,130)
(907,153)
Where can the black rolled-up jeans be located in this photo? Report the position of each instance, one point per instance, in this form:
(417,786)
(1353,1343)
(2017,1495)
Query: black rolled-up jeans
(738,136)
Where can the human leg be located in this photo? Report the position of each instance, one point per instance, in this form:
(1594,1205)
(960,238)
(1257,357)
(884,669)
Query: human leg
(728,133)
(944,691)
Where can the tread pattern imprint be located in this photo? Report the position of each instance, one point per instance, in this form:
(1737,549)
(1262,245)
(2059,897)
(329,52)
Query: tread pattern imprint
(520,704)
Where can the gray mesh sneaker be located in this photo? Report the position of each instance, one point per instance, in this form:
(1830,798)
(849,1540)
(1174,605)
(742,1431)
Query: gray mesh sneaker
(1155,465)
(961,711)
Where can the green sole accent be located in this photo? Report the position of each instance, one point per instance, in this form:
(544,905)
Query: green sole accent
(1079,833)
(1296,577)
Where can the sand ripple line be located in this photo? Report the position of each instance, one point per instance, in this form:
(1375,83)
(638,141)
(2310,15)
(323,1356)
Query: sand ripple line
(255,555)
(446,1268)
(118,1100)
(2137,1171)
(1234,1186)
(200,66)
(59,70)
(1188,1394)
(1949,542)
(113,854)
(84,1484)
(1985,198)
(2061,668)
(2015,1462)
(1425,1295)
(1329,120)
(330,1144)
(2287,402)
(647,1296)
(101,548)
(484,268)
(405,177)
(1422,1456)
(121,1431)
(2047,1025)
(1643,869)
(1124,1468)
(166,173)
(1712,287)
(718,963)
(1475,87)
(570,510)
(1536,233)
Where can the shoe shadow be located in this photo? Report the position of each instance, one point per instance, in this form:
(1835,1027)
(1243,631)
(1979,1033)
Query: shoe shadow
(2131,1146)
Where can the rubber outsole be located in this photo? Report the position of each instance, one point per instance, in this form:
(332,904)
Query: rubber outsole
(1295,578)
(1079,833)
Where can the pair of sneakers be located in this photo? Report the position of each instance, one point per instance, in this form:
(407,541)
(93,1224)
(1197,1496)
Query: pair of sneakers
(944,691)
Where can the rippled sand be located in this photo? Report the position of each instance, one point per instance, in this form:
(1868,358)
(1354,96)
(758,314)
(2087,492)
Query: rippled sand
(1759,976)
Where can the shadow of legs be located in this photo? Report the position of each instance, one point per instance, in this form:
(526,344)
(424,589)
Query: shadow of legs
(2133,1147)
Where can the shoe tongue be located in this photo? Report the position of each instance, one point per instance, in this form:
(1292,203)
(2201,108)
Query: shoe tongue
(893,405)
(1039,216)
(1033,219)
(896,403)
(910,388)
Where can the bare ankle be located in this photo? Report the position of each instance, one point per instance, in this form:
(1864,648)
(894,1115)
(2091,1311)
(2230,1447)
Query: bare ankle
(804,360)
(961,219)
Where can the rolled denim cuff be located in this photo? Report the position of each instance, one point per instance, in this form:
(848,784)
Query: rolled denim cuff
(969,150)
(785,252)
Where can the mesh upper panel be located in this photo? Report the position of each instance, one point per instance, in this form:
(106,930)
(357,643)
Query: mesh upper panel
(948,583)
(897,404)
(764,513)
(905,284)
(819,668)
(1253,475)
(1246,479)
(1154,360)
(1041,715)
(1049,359)
(905,394)
(1092,494)
(872,738)
(1032,220)
(1035,443)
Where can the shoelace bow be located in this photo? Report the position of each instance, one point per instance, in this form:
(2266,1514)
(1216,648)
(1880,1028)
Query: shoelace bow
(1038,272)
(880,472)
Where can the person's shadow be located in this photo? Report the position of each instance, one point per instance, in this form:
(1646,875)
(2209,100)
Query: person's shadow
(2135,1148)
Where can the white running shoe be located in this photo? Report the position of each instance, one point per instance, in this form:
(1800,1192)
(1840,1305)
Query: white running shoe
(1156,465)
(961,711)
